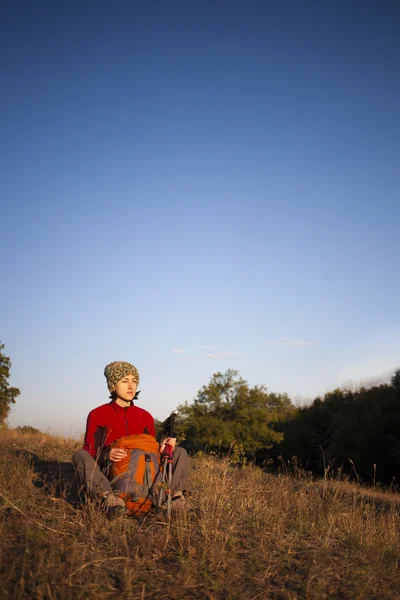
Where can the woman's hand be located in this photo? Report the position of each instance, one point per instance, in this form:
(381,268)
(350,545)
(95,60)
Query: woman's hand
(117,454)
(170,442)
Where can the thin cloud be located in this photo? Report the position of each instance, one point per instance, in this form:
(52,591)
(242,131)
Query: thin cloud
(222,355)
(178,351)
(288,343)
(206,347)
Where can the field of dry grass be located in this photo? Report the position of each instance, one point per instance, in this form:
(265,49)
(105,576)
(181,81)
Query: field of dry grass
(251,535)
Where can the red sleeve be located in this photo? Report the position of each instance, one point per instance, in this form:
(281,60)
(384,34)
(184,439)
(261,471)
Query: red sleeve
(142,422)
(149,423)
(91,427)
(152,428)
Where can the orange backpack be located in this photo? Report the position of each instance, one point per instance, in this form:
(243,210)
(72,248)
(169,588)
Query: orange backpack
(134,477)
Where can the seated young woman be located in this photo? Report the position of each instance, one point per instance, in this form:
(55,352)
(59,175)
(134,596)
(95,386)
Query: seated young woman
(116,420)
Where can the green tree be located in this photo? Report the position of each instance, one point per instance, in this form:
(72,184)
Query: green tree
(395,380)
(360,428)
(227,410)
(7,393)
(27,429)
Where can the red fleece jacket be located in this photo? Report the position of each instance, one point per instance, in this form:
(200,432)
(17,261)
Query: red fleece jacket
(110,422)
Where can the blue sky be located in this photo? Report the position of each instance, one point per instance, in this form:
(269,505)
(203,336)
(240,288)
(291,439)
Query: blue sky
(193,187)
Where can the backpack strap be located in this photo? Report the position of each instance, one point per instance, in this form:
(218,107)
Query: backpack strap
(148,480)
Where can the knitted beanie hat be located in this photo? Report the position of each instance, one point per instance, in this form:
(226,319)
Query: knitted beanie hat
(118,369)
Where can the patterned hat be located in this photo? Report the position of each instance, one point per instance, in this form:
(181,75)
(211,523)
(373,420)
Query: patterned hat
(117,370)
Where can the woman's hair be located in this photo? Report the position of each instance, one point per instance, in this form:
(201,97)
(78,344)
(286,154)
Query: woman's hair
(113,395)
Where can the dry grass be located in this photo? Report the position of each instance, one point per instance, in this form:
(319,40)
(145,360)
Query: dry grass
(251,535)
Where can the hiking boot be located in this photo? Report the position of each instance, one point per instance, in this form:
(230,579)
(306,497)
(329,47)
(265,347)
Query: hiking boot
(179,503)
(113,505)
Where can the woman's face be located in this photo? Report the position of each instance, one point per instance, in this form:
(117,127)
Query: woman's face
(126,387)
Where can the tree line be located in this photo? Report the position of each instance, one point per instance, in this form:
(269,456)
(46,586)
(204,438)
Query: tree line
(356,432)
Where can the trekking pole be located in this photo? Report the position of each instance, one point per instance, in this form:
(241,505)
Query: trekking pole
(168,429)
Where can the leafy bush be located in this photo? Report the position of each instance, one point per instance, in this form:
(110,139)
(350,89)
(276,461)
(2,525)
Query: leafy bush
(27,429)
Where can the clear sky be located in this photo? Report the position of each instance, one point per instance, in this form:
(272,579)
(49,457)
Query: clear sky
(197,186)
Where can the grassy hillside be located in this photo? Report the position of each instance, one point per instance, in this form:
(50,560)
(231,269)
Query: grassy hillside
(251,535)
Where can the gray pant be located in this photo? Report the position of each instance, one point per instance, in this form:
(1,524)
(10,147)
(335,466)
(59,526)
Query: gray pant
(93,479)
